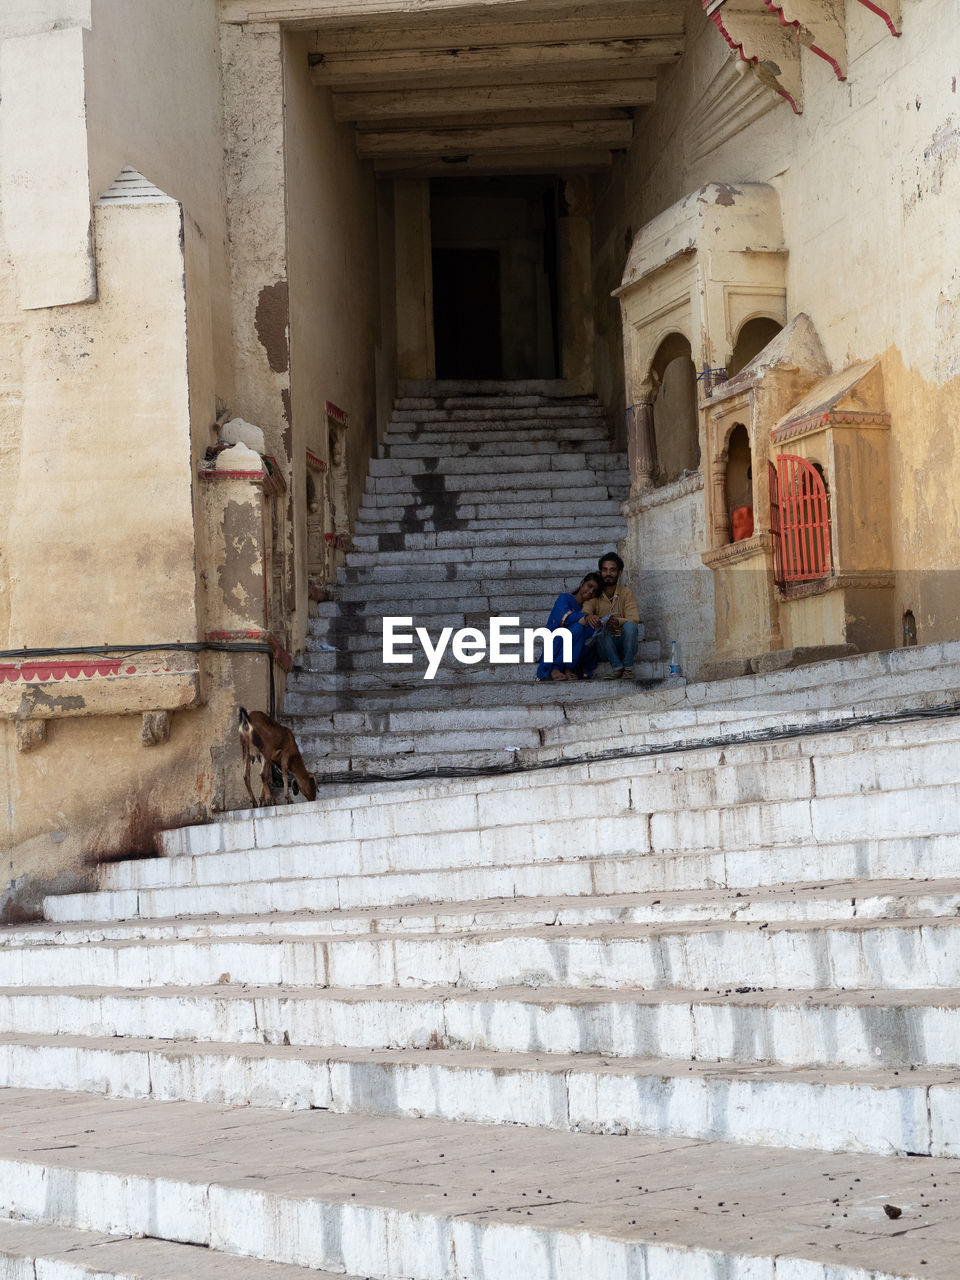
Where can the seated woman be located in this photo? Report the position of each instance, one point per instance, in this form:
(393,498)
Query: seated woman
(567,614)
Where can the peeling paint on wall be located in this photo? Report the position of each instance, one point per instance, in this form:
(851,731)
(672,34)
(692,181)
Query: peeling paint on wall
(272,320)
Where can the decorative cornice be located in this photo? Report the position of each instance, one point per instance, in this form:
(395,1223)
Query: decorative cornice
(640,502)
(337,414)
(313,462)
(823,421)
(746,549)
(855,580)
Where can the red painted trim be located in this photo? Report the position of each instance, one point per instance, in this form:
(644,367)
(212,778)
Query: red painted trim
(39,671)
(313,461)
(738,48)
(338,414)
(881,13)
(821,53)
(208,474)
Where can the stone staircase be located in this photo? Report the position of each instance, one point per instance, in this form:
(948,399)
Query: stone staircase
(685,1007)
(484,501)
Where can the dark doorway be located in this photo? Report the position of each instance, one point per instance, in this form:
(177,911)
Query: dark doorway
(466,313)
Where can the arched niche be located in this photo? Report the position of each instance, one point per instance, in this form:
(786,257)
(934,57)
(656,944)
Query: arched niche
(738,481)
(753,337)
(673,382)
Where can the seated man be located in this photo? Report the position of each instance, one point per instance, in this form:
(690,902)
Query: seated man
(568,614)
(619,617)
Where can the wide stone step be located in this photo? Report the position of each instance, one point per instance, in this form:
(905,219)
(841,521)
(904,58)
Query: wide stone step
(392,513)
(873,1029)
(820,1109)
(437,438)
(318,695)
(365,653)
(384,1197)
(486,443)
(31,1251)
(769,796)
(492,579)
(531,534)
(536,560)
(592,524)
(896,955)
(498,464)
(497,394)
(472,413)
(840,900)
(341,628)
(566,484)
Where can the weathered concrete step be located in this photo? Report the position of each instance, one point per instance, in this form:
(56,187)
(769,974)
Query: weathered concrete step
(366,655)
(823,1109)
(363,1194)
(473,414)
(509,715)
(520,523)
(495,579)
(455,436)
(502,394)
(785,1030)
(319,695)
(442,388)
(393,514)
(340,626)
(351,690)
(585,876)
(29,1251)
(568,485)
(840,900)
(510,597)
(474,464)
(485,443)
(532,534)
(537,560)
(896,955)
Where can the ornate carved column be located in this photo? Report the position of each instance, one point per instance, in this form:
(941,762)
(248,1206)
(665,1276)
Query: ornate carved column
(641,446)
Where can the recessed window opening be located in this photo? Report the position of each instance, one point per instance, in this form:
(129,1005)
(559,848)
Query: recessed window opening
(739,484)
(751,340)
(675,418)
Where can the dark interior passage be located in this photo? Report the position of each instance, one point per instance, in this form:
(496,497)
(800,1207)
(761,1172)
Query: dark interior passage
(495,277)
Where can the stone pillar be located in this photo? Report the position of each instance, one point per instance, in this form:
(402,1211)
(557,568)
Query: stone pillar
(641,446)
(416,356)
(575,281)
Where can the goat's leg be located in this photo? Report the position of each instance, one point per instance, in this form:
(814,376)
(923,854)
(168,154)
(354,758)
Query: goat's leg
(247,762)
(285,770)
(266,791)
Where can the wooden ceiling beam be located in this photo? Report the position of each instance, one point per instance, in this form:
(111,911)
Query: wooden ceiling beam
(484,119)
(411,103)
(584,160)
(503,61)
(598,23)
(556,136)
(309,14)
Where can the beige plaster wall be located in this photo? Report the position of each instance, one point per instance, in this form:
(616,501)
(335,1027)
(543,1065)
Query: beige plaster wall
(869,181)
(662,555)
(152,72)
(336,344)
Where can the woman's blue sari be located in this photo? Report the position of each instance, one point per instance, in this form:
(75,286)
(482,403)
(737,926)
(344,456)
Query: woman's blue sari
(568,615)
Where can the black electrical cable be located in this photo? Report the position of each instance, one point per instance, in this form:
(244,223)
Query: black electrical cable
(130,650)
(778,734)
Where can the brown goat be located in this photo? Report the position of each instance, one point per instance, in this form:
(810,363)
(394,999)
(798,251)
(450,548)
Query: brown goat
(270,743)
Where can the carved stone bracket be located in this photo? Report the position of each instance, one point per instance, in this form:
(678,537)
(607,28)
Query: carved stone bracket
(31,734)
(154,728)
(768,34)
(770,46)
